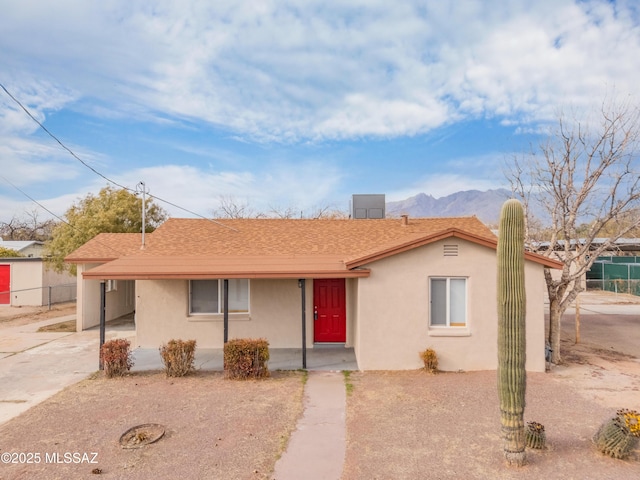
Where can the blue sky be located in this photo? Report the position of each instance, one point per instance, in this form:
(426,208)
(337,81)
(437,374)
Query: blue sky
(281,104)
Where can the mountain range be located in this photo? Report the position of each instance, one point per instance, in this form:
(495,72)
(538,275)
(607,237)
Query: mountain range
(484,205)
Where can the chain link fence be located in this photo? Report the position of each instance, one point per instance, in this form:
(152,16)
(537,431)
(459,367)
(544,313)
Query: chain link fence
(617,285)
(619,274)
(48,295)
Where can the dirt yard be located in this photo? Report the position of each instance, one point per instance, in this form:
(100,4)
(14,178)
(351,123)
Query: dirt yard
(215,428)
(409,425)
(400,425)
(15,316)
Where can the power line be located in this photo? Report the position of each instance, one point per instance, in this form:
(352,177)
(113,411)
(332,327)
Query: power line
(56,138)
(71,152)
(56,216)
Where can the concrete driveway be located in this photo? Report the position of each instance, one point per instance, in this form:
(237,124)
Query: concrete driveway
(34,366)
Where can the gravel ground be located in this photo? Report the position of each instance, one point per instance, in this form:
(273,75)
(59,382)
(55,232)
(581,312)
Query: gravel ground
(215,428)
(407,425)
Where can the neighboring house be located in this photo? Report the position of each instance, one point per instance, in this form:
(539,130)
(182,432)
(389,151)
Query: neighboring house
(26,248)
(389,288)
(27,281)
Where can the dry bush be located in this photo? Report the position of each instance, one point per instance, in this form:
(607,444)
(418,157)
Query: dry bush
(430,360)
(116,357)
(246,358)
(178,357)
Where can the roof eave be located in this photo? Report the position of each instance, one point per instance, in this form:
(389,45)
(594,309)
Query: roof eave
(90,275)
(81,260)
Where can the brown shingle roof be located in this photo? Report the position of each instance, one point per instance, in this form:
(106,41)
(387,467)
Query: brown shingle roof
(105,247)
(182,248)
(291,237)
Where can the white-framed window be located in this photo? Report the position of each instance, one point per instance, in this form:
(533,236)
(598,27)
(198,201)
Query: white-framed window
(448,302)
(206,296)
(111,286)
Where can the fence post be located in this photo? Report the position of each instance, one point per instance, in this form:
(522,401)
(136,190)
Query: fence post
(50,297)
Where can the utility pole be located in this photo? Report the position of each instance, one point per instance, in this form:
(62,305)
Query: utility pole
(143,188)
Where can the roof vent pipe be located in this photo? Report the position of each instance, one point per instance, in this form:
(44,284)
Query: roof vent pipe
(405,219)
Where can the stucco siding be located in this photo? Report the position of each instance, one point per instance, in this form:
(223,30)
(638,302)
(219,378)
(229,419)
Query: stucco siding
(30,282)
(63,286)
(26,282)
(393,311)
(118,302)
(275,314)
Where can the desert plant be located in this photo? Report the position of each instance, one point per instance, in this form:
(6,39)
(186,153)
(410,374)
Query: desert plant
(430,360)
(512,380)
(618,436)
(178,357)
(535,436)
(116,357)
(246,358)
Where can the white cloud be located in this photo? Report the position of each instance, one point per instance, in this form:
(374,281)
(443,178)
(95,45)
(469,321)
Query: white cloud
(289,71)
(285,185)
(293,72)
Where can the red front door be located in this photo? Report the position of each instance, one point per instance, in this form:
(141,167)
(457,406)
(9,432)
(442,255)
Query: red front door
(330,312)
(5,284)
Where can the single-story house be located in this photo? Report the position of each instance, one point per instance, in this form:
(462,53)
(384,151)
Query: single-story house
(389,288)
(27,280)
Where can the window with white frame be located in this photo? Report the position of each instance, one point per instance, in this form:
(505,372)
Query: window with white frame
(448,297)
(111,285)
(206,296)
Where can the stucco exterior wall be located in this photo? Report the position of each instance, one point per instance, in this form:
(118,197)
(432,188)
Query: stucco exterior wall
(30,282)
(275,314)
(119,302)
(63,286)
(26,282)
(393,311)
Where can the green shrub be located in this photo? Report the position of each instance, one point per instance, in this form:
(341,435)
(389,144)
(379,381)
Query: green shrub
(430,360)
(116,357)
(246,358)
(178,357)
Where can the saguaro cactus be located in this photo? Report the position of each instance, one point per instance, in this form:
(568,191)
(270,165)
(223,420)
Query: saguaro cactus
(512,380)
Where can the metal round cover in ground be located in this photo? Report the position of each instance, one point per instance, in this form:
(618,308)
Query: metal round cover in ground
(141,435)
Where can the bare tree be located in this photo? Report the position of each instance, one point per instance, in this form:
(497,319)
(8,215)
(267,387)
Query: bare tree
(230,207)
(27,227)
(585,178)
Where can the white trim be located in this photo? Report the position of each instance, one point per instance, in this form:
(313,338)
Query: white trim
(220,285)
(447,325)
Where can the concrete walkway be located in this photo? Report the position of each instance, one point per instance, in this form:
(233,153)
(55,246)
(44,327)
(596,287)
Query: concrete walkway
(316,449)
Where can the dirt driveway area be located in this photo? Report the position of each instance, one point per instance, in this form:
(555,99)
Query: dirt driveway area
(400,425)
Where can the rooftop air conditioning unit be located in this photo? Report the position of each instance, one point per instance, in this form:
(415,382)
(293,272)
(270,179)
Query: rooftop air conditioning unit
(368,206)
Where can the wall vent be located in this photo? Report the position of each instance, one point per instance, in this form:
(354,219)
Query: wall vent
(451,250)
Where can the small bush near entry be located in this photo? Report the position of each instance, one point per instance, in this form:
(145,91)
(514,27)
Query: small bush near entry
(178,357)
(116,357)
(430,360)
(246,358)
